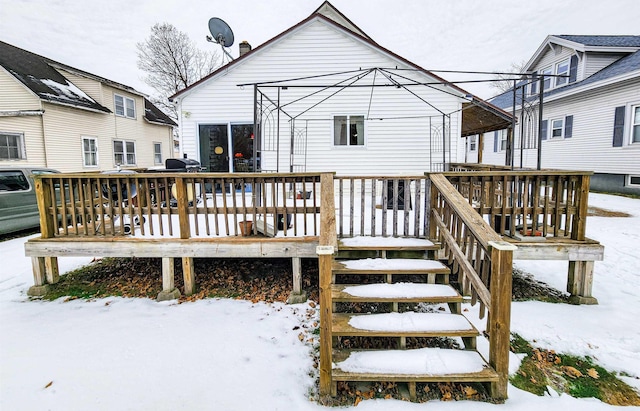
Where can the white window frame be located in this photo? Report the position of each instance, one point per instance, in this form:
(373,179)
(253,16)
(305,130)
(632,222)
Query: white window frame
(551,128)
(22,153)
(503,140)
(84,152)
(561,81)
(349,116)
(633,123)
(629,183)
(473,143)
(547,71)
(157,160)
(128,106)
(125,153)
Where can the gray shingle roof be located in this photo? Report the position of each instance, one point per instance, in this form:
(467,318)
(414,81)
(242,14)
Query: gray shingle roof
(622,66)
(603,41)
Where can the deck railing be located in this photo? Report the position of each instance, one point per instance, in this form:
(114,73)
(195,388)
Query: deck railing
(483,263)
(549,203)
(382,206)
(182,205)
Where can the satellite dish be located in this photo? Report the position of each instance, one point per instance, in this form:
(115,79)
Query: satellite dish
(221,32)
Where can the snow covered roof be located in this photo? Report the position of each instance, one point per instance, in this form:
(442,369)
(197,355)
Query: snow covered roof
(41,78)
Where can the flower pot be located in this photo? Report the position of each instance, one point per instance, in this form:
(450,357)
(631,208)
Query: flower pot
(246,228)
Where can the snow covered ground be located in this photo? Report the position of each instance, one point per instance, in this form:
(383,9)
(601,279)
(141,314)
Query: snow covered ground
(137,354)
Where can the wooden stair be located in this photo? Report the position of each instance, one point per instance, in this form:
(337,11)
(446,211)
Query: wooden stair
(430,285)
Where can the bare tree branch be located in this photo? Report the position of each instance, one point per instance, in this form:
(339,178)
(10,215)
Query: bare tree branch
(505,82)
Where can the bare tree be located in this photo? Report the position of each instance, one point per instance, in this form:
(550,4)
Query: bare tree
(172,62)
(505,81)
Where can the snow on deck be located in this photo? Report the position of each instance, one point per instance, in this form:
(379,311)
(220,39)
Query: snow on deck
(423,361)
(410,322)
(367,241)
(383,264)
(401,290)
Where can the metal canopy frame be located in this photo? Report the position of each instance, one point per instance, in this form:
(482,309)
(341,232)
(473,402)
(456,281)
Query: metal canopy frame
(269,106)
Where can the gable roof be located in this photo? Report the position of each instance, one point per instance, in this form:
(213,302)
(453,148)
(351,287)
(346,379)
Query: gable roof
(40,75)
(625,66)
(43,80)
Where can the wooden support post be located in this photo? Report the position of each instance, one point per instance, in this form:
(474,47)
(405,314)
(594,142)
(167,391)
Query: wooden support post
(51,269)
(325,251)
(45,203)
(169,290)
(40,287)
(188,273)
(499,322)
(183,208)
(297,295)
(580,282)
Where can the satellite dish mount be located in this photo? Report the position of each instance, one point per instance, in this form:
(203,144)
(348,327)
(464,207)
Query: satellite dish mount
(221,33)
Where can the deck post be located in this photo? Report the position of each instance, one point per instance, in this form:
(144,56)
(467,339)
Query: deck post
(297,296)
(499,322)
(51,269)
(169,290)
(189,275)
(328,245)
(580,282)
(183,208)
(39,288)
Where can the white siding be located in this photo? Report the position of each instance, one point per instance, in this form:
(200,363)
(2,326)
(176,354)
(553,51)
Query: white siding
(393,145)
(591,146)
(14,95)
(551,57)
(91,87)
(594,62)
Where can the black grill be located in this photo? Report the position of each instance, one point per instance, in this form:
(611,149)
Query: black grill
(182,164)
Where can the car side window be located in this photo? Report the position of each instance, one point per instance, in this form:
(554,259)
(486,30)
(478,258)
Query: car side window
(13,181)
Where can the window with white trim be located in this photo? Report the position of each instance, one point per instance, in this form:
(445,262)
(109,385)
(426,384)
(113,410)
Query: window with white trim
(124,106)
(547,79)
(635,125)
(473,143)
(633,181)
(562,69)
(348,130)
(12,146)
(503,140)
(157,153)
(90,151)
(124,152)
(556,128)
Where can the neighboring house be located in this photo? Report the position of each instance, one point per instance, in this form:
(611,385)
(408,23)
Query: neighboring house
(53,115)
(328,98)
(590,119)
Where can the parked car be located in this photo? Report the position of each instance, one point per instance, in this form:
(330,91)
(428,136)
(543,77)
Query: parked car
(18,205)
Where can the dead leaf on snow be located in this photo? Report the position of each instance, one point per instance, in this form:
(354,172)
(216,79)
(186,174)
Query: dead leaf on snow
(469,391)
(357,401)
(593,373)
(48,385)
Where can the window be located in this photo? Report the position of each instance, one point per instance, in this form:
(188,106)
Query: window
(90,151)
(157,153)
(634,181)
(547,80)
(11,180)
(635,126)
(473,146)
(348,130)
(11,146)
(562,69)
(125,106)
(557,128)
(124,152)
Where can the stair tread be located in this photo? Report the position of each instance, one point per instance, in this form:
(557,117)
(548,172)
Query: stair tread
(389,266)
(422,364)
(399,292)
(410,324)
(385,243)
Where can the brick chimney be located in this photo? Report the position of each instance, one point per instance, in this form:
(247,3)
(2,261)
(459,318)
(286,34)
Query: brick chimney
(245,47)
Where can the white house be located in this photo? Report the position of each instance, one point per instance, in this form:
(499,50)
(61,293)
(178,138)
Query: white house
(327,97)
(590,117)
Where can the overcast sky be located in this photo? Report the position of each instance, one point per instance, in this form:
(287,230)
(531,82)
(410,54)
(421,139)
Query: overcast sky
(476,35)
